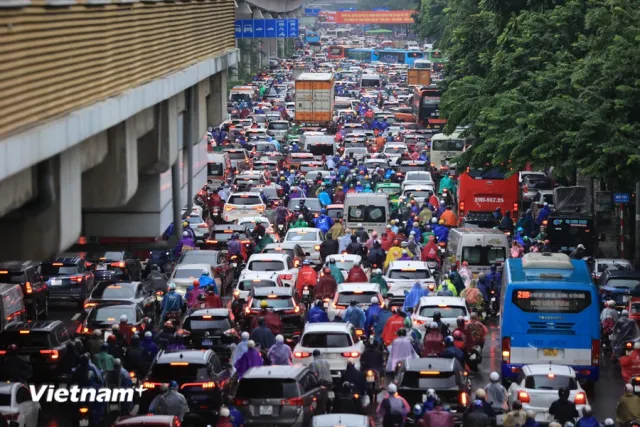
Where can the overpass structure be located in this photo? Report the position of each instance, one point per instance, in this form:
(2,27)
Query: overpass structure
(104,111)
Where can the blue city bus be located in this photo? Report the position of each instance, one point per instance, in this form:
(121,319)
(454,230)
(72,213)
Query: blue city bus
(549,314)
(312,37)
(388,56)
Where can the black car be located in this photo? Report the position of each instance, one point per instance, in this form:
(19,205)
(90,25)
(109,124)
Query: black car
(106,293)
(619,286)
(103,317)
(120,263)
(221,234)
(284,302)
(42,344)
(198,374)
(34,288)
(68,278)
(214,329)
(445,376)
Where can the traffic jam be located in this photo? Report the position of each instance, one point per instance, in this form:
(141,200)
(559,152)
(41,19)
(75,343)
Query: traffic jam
(336,269)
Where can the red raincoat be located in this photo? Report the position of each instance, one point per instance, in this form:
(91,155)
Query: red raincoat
(357,274)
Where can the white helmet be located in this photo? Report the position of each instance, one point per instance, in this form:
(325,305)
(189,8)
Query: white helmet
(300,216)
(494,377)
(124,318)
(374,300)
(205,271)
(185,234)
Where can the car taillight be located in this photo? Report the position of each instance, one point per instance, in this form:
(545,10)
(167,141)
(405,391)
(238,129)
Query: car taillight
(150,385)
(515,207)
(229,208)
(301,354)
(240,402)
(260,208)
(208,384)
(27,287)
(464,399)
(523,397)
(89,304)
(461,207)
(506,349)
(120,264)
(595,352)
(286,276)
(418,322)
(296,401)
(53,354)
(203,226)
(76,279)
(580,399)
(351,354)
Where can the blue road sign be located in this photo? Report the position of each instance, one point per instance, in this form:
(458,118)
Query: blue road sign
(247,28)
(312,11)
(238,29)
(258,28)
(292,28)
(281,28)
(270,28)
(620,197)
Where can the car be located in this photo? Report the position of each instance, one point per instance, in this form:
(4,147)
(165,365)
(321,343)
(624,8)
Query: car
(272,193)
(347,292)
(249,179)
(243,204)
(255,279)
(34,288)
(407,166)
(537,388)
(212,328)
(417,177)
(284,302)
(338,343)
(372,164)
(344,262)
(278,129)
(68,279)
(43,344)
(197,373)
(17,405)
(419,192)
(106,293)
(312,204)
(280,396)
(445,376)
(531,184)
(449,307)
(617,285)
(359,153)
(523,174)
(184,275)
(250,222)
(601,265)
(401,275)
(199,226)
(220,235)
(335,211)
(147,420)
(222,271)
(394,150)
(277,262)
(239,158)
(309,240)
(332,420)
(265,164)
(121,264)
(543,196)
(103,317)
(294,250)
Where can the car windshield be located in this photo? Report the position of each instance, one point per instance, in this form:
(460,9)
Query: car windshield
(411,168)
(280,302)
(191,372)
(225,235)
(447,311)
(278,126)
(617,283)
(266,265)
(258,388)
(111,314)
(419,176)
(389,190)
(345,298)
(188,273)
(312,204)
(247,285)
(245,200)
(236,155)
(58,270)
(32,340)
(483,255)
(114,291)
(198,257)
(409,274)
(418,193)
(550,382)
(301,236)
(206,322)
(326,340)
(195,220)
(344,265)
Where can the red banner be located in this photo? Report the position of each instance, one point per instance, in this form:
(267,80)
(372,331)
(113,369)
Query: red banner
(369,17)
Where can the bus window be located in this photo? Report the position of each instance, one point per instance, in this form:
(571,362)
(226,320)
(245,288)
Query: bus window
(447,145)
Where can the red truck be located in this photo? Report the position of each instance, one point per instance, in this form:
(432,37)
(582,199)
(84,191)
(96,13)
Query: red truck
(484,190)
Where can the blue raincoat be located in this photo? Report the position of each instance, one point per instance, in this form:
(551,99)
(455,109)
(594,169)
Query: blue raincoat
(413,297)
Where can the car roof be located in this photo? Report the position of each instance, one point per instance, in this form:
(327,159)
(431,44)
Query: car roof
(398,265)
(440,300)
(331,420)
(268,257)
(273,290)
(283,245)
(45,325)
(274,371)
(441,364)
(361,286)
(194,266)
(345,257)
(327,327)
(152,420)
(189,356)
(18,265)
(244,193)
(545,368)
(7,388)
(218,312)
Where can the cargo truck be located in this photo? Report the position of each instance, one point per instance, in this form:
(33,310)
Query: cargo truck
(314,98)
(418,77)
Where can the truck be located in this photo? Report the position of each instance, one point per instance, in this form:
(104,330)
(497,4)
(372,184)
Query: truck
(314,98)
(571,222)
(297,70)
(482,191)
(241,93)
(419,77)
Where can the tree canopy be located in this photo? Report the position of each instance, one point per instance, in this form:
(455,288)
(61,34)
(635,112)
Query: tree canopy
(388,4)
(550,83)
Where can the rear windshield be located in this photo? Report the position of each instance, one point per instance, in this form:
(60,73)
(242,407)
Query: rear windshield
(223,236)
(105,256)
(247,285)
(614,266)
(258,388)
(278,126)
(54,270)
(447,312)
(324,340)
(418,193)
(12,277)
(236,155)
(264,265)
(188,273)
(420,176)
(215,169)
(114,291)
(411,168)
(111,314)
(540,183)
(199,322)
(301,236)
(623,283)
(245,200)
(282,301)
(409,275)
(361,298)
(290,252)
(32,340)
(550,382)
(483,255)
(442,380)
(321,149)
(165,373)
(198,257)
(312,204)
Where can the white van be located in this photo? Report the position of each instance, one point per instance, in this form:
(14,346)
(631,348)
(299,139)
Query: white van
(479,247)
(370,81)
(369,209)
(318,144)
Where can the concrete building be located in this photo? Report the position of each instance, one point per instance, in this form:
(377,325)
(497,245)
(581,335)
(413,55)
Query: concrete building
(104,107)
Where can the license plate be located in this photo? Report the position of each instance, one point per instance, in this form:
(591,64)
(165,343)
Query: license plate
(305,292)
(326,305)
(371,379)
(550,351)
(636,388)
(331,395)
(626,298)
(493,299)
(83,423)
(266,410)
(235,264)
(101,267)
(113,407)
(207,342)
(56,282)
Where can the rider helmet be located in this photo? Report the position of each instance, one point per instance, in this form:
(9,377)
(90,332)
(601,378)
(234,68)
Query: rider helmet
(124,318)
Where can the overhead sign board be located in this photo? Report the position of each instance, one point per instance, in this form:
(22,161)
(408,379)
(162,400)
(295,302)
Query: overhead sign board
(266,28)
(621,197)
(368,17)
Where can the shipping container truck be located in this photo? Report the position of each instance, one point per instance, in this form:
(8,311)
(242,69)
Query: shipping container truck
(314,98)
(418,77)
(299,70)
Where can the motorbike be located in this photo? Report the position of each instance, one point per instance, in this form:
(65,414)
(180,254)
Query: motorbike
(281,229)
(493,306)
(174,317)
(473,357)
(307,296)
(216,216)
(236,262)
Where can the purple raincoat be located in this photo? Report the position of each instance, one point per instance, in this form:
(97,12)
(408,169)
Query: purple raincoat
(280,354)
(248,360)
(401,350)
(192,296)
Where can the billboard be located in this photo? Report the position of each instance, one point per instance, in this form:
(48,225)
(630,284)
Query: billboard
(368,17)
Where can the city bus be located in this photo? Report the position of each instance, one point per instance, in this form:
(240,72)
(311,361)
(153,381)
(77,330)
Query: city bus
(436,58)
(338,51)
(422,64)
(485,190)
(312,37)
(388,56)
(426,107)
(446,147)
(549,314)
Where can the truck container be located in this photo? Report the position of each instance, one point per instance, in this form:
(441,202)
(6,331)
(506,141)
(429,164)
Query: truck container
(314,98)
(418,77)
(297,70)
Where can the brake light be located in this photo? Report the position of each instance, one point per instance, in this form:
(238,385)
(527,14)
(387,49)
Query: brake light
(461,208)
(229,208)
(53,354)
(296,401)
(286,276)
(260,208)
(418,322)
(211,242)
(523,397)
(76,279)
(203,226)
(595,352)
(27,287)
(351,354)
(296,309)
(89,304)
(464,399)
(240,402)
(150,385)
(301,354)
(506,349)
(3,352)
(208,384)
(580,399)
(316,247)
(120,264)
(515,207)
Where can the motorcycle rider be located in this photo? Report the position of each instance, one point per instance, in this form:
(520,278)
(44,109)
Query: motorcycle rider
(300,222)
(317,313)
(624,330)
(438,417)
(156,280)
(475,332)
(329,246)
(354,377)
(335,271)
(280,353)
(372,314)
(171,402)
(413,297)
(126,330)
(306,276)
(327,286)
(609,312)
(212,300)
(193,293)
(430,252)
(392,325)
(564,410)
(587,420)
(376,255)
(628,408)
(270,318)
(497,395)
(476,416)
(451,351)
(323,221)
(447,288)
(171,302)
(433,343)
(321,368)
(355,315)
(234,248)
(240,349)
(262,335)
(393,409)
(356,275)
(630,365)
(401,350)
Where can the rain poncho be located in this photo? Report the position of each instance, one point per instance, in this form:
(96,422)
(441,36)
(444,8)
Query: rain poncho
(372,315)
(392,255)
(344,241)
(377,278)
(466,275)
(609,313)
(497,395)
(322,370)
(205,281)
(248,360)
(357,274)
(263,337)
(336,273)
(355,315)
(413,297)
(624,330)
(378,326)
(472,295)
(193,294)
(241,349)
(170,403)
(433,342)
(401,350)
(280,354)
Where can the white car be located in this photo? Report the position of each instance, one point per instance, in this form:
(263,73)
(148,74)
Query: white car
(18,405)
(255,279)
(449,307)
(538,388)
(418,178)
(269,263)
(309,240)
(338,343)
(184,275)
(420,192)
(347,292)
(401,275)
(251,221)
(239,205)
(394,151)
(344,262)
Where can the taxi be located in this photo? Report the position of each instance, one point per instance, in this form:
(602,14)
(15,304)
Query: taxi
(360,292)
